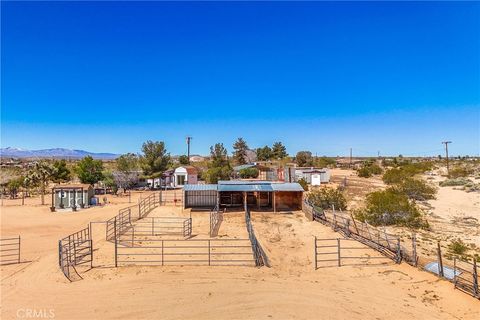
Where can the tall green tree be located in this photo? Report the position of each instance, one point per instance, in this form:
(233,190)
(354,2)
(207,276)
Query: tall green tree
(264,154)
(240,148)
(89,170)
(62,172)
(304,159)
(219,167)
(279,151)
(183,160)
(40,175)
(155,158)
(127,163)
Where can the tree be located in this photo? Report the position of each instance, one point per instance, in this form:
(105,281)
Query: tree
(14,185)
(155,158)
(247,173)
(304,159)
(325,198)
(61,173)
(240,153)
(303,183)
(127,163)
(40,174)
(183,160)
(389,207)
(219,167)
(279,151)
(89,170)
(218,155)
(264,154)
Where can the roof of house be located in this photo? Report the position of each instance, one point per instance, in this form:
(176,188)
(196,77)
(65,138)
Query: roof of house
(72,186)
(251,165)
(189,169)
(245,186)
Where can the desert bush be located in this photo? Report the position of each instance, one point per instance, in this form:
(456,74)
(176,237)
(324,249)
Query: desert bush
(394,176)
(326,197)
(416,189)
(303,183)
(390,207)
(454,182)
(458,247)
(248,173)
(460,172)
(369,169)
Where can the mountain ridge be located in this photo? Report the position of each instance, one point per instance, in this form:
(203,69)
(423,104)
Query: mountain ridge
(60,153)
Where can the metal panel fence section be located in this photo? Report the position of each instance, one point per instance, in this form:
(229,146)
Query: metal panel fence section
(154,226)
(74,250)
(148,204)
(466,277)
(338,252)
(216,218)
(209,252)
(380,240)
(171,197)
(259,254)
(10,250)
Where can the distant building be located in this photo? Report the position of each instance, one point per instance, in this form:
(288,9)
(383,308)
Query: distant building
(313,176)
(196,158)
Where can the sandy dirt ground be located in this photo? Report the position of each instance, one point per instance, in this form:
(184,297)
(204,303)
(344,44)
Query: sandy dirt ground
(290,289)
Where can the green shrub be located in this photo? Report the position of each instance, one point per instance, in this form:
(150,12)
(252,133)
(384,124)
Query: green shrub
(460,172)
(394,176)
(248,173)
(303,183)
(326,197)
(416,189)
(390,207)
(369,169)
(454,182)
(458,247)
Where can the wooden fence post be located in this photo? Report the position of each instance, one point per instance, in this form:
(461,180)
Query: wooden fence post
(338,252)
(475,278)
(399,251)
(440,262)
(414,249)
(315,245)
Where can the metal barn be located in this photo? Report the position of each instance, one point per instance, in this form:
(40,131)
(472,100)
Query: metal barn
(258,195)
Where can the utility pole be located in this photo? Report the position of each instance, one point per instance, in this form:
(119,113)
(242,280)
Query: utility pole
(188,148)
(350,157)
(446,154)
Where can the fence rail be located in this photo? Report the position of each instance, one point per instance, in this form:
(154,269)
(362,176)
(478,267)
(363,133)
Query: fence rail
(261,258)
(10,250)
(153,226)
(381,241)
(74,250)
(337,252)
(209,252)
(463,274)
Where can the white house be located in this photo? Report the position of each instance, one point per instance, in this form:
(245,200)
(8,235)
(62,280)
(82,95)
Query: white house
(185,175)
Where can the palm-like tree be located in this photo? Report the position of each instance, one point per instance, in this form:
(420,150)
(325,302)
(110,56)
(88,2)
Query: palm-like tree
(40,175)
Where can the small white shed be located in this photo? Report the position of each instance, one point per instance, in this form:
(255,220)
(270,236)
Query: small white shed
(185,175)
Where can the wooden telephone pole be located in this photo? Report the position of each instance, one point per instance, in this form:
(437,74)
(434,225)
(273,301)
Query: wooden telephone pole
(188,148)
(446,154)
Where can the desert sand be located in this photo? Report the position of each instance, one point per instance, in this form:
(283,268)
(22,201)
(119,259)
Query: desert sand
(290,289)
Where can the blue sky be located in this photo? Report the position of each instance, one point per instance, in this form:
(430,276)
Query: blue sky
(398,78)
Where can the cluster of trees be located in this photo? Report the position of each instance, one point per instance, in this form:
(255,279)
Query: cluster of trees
(305,159)
(240,148)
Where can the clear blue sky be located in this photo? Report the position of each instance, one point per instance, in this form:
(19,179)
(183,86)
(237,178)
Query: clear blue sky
(375,76)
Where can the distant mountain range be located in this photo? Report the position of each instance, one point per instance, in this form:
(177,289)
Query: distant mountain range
(60,153)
